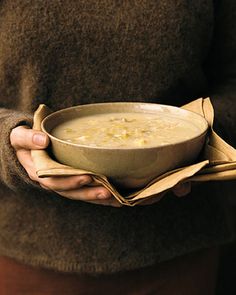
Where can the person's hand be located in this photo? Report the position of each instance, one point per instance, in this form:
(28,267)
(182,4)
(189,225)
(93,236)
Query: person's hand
(24,139)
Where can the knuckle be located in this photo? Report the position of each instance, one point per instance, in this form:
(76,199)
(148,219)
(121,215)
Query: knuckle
(50,184)
(85,179)
(13,136)
(20,137)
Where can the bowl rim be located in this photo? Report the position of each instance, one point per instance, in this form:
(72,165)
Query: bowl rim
(50,116)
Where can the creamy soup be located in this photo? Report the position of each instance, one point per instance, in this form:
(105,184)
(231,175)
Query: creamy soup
(125,130)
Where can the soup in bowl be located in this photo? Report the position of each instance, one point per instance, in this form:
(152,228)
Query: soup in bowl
(130,143)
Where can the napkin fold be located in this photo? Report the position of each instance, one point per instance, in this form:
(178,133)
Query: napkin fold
(217,162)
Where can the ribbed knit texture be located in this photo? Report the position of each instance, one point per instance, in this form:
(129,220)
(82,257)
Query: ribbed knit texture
(64,53)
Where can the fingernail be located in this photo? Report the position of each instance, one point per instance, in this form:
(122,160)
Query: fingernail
(39,139)
(103,196)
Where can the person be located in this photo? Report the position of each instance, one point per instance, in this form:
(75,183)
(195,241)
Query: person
(59,235)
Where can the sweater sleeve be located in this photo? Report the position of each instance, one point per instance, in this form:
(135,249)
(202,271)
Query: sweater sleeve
(221,70)
(12,174)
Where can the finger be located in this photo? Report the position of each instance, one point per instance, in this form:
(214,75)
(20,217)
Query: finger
(87,194)
(23,137)
(110,201)
(182,189)
(154,199)
(65,183)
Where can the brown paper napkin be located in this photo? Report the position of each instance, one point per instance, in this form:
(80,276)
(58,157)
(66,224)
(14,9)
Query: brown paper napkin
(217,162)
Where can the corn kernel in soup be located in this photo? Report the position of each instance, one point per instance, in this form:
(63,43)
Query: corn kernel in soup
(125,130)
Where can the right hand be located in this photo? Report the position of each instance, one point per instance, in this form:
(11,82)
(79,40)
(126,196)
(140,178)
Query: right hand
(23,139)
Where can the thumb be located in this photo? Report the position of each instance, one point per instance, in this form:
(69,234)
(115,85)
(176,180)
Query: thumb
(23,137)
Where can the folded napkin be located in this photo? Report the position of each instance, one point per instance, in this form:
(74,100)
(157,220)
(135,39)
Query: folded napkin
(217,162)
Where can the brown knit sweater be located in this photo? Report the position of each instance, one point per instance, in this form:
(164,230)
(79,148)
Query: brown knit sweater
(68,52)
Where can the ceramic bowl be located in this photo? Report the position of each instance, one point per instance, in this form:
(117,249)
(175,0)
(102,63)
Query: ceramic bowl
(127,167)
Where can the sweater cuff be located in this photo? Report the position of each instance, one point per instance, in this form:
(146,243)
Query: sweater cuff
(12,173)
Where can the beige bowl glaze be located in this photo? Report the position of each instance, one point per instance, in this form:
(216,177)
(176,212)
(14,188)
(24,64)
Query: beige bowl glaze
(131,167)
